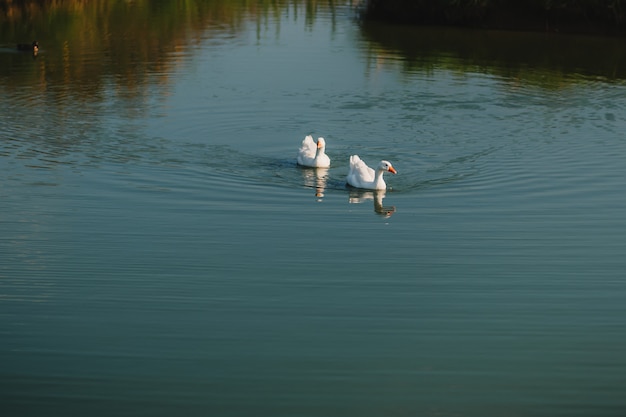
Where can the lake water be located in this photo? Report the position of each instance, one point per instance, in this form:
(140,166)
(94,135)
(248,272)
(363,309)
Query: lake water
(162,254)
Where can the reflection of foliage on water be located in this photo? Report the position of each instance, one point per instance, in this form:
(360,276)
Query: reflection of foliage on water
(548,61)
(124,41)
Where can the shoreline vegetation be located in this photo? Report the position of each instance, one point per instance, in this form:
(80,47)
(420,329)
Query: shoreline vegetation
(592,17)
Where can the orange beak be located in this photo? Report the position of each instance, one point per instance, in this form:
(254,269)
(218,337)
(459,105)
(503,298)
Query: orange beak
(392,170)
(319,145)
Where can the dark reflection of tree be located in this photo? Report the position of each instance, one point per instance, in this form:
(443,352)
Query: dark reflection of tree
(547,60)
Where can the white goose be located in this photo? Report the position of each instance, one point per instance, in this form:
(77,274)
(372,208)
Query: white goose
(313,154)
(362,176)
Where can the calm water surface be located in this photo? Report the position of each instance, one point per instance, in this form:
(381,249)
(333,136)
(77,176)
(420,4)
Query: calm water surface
(162,254)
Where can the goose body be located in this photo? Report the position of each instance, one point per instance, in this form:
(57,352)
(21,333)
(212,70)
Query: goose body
(362,176)
(313,154)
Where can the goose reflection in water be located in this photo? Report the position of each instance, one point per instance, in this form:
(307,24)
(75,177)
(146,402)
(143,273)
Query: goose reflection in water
(316,178)
(359,196)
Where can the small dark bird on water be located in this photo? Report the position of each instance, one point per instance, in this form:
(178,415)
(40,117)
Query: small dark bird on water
(34,47)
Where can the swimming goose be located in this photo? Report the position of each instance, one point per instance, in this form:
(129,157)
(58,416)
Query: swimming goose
(362,176)
(313,154)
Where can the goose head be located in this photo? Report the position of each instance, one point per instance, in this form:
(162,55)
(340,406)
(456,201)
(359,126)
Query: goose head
(321,144)
(386,166)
